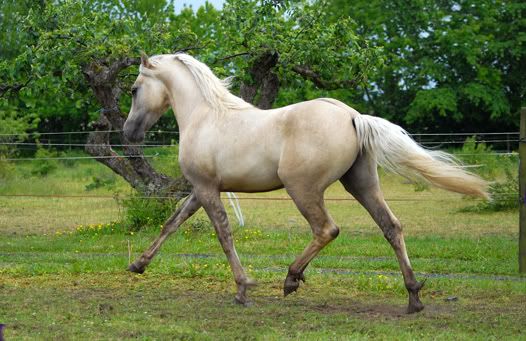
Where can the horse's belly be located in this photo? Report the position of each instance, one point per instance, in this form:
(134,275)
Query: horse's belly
(259,178)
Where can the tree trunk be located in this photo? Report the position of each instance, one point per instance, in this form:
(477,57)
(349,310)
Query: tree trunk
(263,79)
(132,166)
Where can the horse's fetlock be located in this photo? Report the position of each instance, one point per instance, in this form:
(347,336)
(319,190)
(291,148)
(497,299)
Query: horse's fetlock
(293,272)
(414,286)
(240,281)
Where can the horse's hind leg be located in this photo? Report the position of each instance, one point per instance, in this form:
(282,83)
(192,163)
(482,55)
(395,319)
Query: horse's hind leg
(363,183)
(310,204)
(185,211)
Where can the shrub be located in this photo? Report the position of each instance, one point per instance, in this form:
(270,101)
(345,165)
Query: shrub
(46,165)
(142,212)
(102,181)
(200,224)
(481,155)
(6,169)
(504,193)
(504,196)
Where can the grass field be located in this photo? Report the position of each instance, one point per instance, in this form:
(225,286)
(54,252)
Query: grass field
(61,280)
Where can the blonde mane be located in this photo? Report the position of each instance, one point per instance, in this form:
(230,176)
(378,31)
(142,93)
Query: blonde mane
(214,90)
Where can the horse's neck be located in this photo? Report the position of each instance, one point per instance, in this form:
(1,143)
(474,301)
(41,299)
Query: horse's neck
(189,104)
(185,100)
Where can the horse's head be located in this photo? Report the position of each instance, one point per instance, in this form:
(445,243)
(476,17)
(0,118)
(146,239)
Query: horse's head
(150,99)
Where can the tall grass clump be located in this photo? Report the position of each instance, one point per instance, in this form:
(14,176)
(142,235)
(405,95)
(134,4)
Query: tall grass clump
(142,212)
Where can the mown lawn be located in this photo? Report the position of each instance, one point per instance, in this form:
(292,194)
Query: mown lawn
(61,280)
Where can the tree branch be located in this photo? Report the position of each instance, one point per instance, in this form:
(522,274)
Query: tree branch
(5,88)
(307,73)
(370,99)
(120,64)
(234,56)
(189,48)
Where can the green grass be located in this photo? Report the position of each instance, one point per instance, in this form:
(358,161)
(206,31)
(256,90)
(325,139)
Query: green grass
(157,306)
(262,248)
(61,278)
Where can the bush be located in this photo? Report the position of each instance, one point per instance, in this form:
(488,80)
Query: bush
(481,155)
(504,193)
(200,224)
(504,196)
(46,165)
(6,169)
(141,212)
(102,181)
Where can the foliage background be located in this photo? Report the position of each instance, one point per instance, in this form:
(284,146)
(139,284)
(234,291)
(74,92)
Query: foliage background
(428,65)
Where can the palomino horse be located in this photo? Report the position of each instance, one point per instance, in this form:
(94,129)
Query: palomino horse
(227,144)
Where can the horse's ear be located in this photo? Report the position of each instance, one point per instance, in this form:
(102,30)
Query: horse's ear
(144,61)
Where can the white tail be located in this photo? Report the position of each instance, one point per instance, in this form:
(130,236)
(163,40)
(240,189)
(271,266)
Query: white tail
(396,151)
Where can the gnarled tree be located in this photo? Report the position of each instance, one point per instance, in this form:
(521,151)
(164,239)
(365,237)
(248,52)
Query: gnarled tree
(78,51)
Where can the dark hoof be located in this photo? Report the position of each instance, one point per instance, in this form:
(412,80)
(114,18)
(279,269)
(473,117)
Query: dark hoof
(415,308)
(289,289)
(136,269)
(292,283)
(244,302)
(241,296)
(415,305)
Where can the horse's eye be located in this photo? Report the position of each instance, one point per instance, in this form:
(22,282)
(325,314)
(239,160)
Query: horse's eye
(134,91)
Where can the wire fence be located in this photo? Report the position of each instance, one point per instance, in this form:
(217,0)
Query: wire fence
(502,143)
(176,132)
(157,155)
(505,142)
(501,196)
(153,144)
(488,138)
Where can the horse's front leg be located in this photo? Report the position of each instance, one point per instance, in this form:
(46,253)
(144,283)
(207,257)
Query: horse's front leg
(210,198)
(185,211)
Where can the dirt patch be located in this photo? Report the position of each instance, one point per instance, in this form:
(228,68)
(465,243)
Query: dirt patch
(376,310)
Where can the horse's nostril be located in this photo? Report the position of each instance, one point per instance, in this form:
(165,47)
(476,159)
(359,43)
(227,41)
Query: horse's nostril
(131,132)
(134,136)
(127,134)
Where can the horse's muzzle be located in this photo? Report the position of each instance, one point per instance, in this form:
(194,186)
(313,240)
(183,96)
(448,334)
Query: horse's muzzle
(133,132)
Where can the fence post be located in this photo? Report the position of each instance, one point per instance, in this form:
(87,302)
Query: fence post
(522,190)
